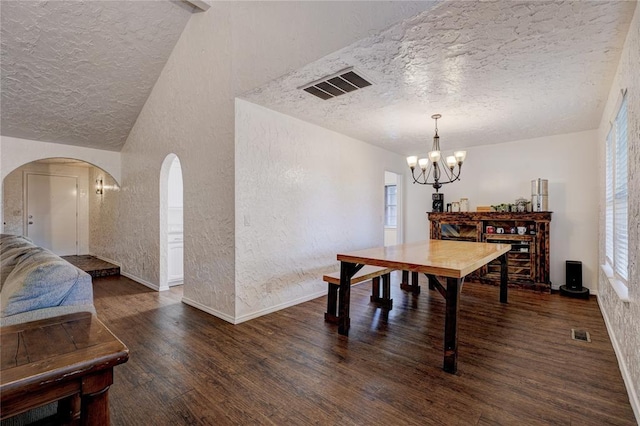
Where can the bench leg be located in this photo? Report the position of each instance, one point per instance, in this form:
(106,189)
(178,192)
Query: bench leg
(386,291)
(431,283)
(331,316)
(413,287)
(375,289)
(385,301)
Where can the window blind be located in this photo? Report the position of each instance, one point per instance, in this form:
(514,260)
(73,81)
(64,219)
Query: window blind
(609,198)
(620,202)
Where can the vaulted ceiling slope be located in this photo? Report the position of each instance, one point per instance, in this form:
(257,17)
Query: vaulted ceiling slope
(497,71)
(79,72)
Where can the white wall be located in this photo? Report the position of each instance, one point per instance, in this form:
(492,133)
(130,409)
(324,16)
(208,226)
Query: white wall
(303,194)
(17,152)
(623,318)
(500,173)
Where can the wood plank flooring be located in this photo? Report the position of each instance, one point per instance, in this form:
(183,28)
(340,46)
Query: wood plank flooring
(517,363)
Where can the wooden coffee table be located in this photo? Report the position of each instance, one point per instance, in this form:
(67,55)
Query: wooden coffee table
(69,359)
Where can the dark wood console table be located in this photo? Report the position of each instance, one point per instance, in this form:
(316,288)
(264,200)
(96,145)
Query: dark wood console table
(528,261)
(69,359)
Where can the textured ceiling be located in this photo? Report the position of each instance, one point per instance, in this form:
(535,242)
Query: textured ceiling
(496,71)
(79,72)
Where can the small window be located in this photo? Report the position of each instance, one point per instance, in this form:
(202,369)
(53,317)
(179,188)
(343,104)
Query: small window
(390,206)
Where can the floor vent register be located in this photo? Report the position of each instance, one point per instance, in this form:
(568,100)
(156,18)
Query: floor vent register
(580,335)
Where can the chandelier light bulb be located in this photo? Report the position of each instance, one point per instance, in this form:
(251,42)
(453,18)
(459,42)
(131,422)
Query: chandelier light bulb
(412,161)
(460,155)
(434,156)
(424,163)
(451,161)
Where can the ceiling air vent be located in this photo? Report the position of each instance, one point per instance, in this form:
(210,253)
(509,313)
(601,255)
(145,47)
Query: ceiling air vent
(337,84)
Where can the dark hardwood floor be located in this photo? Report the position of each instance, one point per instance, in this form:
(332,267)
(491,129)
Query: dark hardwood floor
(517,363)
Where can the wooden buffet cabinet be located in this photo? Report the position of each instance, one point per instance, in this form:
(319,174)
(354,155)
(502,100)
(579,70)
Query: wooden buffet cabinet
(528,260)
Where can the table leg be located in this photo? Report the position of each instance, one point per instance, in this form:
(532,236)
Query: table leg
(504,278)
(347,270)
(451,325)
(69,409)
(95,398)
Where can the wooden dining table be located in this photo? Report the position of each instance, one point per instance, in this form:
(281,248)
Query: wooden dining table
(451,260)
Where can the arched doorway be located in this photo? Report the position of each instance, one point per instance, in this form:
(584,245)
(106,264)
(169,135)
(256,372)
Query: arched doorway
(171,223)
(53,201)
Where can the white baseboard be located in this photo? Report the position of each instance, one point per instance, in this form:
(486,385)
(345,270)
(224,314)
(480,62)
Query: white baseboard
(252,315)
(279,307)
(626,377)
(141,281)
(215,313)
(173,283)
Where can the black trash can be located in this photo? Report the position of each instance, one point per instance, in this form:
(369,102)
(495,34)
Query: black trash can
(573,286)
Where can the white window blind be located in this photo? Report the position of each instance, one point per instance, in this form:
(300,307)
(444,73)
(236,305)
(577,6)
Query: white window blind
(617,195)
(620,234)
(609,198)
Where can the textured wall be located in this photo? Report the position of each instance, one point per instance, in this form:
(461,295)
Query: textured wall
(103,209)
(231,48)
(13,194)
(500,173)
(12,207)
(190,113)
(624,318)
(303,194)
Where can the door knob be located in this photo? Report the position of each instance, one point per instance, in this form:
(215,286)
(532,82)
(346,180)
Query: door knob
(30,222)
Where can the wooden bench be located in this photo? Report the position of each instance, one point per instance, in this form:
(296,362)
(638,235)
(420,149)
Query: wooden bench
(368,272)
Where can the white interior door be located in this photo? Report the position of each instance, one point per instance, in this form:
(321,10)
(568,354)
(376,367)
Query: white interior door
(175,222)
(52,212)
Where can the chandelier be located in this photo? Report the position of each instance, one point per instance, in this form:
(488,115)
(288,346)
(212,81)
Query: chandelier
(435,170)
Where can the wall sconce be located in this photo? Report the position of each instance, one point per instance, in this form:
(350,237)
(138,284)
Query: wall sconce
(99,187)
